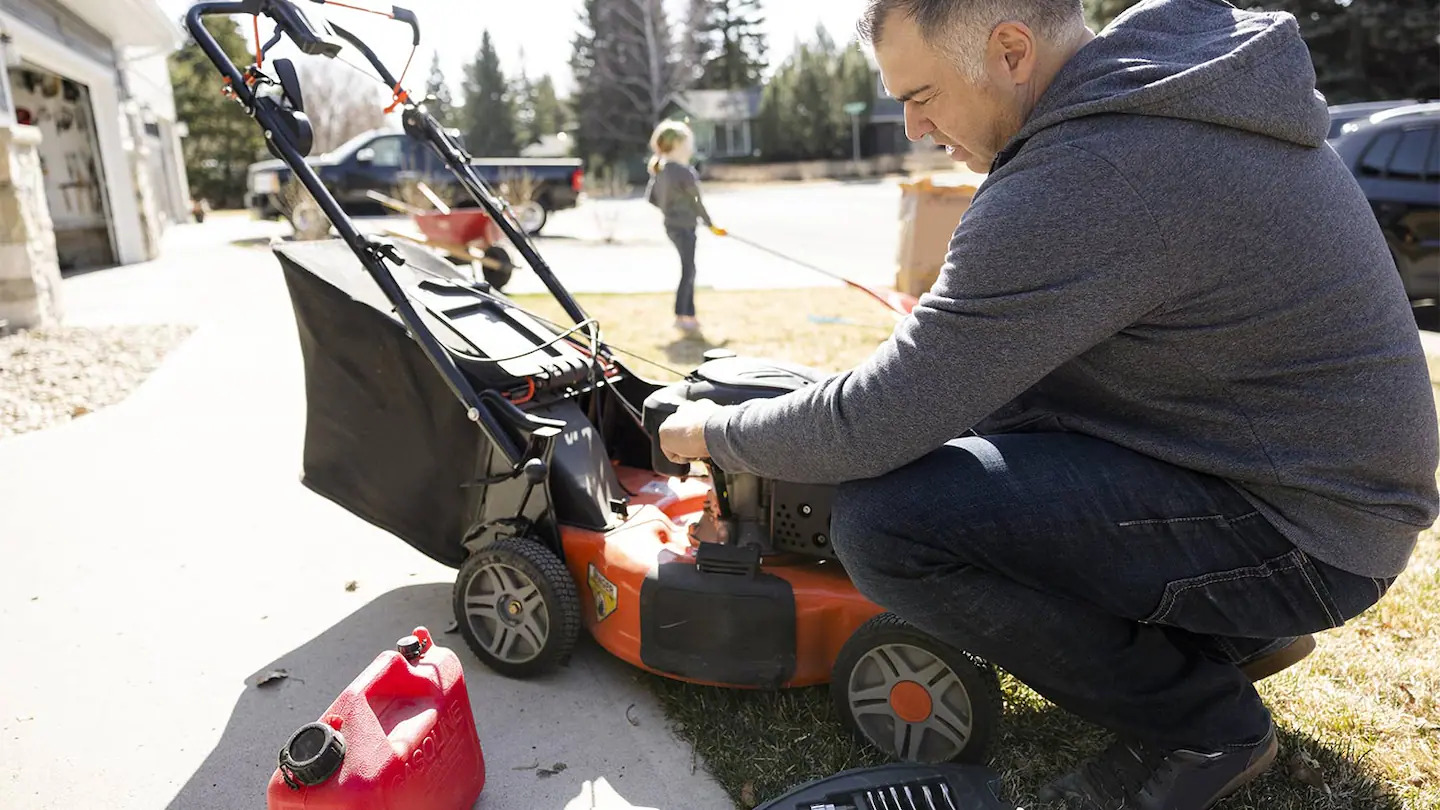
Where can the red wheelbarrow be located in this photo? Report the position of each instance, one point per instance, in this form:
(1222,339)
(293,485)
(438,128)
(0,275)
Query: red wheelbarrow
(463,235)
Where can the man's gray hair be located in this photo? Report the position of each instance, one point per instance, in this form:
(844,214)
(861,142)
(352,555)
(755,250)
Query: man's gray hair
(960,28)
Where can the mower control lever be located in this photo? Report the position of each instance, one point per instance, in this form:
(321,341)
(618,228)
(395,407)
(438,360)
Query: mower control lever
(291,19)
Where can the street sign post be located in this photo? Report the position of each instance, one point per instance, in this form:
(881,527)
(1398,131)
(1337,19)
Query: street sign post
(854,109)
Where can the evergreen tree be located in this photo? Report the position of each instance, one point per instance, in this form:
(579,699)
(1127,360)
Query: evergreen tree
(489,115)
(735,45)
(1363,50)
(436,87)
(223,141)
(547,115)
(802,111)
(625,70)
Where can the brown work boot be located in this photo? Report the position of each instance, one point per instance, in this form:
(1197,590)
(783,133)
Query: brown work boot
(1281,659)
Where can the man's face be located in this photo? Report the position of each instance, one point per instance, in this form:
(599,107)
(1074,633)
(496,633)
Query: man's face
(973,120)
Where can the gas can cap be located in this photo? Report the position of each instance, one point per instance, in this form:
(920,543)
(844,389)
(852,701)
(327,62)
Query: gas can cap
(411,647)
(312,755)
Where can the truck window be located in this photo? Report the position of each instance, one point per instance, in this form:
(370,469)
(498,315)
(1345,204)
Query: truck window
(388,151)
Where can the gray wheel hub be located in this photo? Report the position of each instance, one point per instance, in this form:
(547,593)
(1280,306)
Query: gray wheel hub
(910,703)
(507,613)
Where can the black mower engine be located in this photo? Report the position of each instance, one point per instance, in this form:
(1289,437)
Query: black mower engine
(774,517)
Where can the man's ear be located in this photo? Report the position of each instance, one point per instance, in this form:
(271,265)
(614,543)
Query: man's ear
(1012,44)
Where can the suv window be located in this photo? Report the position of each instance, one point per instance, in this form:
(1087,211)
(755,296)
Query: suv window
(1408,161)
(1377,157)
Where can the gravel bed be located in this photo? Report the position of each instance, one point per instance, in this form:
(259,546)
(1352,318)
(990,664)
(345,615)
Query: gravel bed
(50,376)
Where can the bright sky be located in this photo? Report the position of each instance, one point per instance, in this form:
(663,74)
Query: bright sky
(543,29)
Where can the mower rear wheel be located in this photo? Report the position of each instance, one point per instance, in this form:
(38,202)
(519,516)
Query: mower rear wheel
(517,607)
(913,697)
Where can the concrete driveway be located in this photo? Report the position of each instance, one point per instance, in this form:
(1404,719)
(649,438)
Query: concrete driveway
(161,554)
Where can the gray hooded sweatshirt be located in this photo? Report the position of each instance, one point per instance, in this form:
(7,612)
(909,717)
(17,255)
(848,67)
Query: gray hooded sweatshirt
(1167,257)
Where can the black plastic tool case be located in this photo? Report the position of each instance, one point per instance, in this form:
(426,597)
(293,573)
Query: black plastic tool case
(901,786)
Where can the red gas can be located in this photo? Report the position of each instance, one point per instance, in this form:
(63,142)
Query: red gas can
(400,737)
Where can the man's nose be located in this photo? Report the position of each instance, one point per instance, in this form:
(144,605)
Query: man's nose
(917,126)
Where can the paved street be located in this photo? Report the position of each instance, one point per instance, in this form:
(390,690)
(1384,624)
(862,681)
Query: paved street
(848,228)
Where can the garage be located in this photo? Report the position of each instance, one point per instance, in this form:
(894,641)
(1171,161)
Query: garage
(75,187)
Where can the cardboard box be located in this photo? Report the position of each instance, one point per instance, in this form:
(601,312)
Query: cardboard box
(930,211)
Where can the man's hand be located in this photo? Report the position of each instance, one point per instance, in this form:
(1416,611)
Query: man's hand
(682,436)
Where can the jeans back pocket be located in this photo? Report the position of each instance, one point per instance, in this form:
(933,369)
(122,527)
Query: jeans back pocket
(1283,596)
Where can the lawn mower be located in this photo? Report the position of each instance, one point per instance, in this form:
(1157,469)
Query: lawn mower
(525,454)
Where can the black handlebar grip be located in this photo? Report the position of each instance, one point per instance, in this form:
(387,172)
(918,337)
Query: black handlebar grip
(405,15)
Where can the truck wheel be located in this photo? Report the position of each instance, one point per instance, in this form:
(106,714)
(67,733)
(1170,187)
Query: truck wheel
(499,275)
(517,607)
(913,697)
(532,216)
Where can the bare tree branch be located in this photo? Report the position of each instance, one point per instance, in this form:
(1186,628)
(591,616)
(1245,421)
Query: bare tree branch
(343,103)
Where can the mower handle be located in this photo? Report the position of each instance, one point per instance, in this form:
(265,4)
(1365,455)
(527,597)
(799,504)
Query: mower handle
(518,435)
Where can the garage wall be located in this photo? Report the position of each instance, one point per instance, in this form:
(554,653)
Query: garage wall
(39,48)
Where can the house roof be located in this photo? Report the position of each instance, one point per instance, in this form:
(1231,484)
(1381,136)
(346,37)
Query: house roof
(719,105)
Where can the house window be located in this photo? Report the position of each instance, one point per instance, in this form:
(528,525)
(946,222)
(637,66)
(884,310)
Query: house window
(732,138)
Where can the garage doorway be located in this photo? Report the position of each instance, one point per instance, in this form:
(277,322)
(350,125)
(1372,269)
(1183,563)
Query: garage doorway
(70,159)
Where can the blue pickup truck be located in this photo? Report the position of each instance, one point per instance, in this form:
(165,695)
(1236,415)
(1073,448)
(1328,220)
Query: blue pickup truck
(385,161)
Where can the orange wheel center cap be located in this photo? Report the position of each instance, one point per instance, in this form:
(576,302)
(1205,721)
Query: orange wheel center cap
(911,702)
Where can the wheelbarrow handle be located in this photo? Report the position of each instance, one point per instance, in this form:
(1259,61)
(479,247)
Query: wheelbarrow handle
(394,204)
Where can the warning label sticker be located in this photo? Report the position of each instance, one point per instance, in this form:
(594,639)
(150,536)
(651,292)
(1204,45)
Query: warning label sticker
(603,593)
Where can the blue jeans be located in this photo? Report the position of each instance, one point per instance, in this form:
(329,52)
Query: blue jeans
(684,239)
(1123,589)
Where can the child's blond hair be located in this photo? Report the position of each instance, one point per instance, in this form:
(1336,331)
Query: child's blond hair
(667,136)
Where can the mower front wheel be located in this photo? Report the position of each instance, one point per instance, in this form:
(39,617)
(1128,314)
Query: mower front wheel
(913,697)
(517,607)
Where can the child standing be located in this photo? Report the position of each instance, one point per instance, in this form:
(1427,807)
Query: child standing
(675,190)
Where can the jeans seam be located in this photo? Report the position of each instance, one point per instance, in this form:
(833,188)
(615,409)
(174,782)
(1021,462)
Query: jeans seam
(1168,604)
(1246,516)
(1324,603)
(1166,521)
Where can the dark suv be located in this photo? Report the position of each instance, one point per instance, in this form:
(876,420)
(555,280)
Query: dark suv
(1395,155)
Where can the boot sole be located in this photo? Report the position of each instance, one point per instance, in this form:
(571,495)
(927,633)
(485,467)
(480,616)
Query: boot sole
(1250,774)
(1280,660)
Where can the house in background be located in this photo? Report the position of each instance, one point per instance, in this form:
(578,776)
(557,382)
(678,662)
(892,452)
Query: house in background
(724,121)
(89,79)
(884,134)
